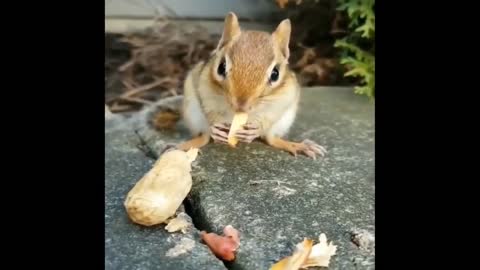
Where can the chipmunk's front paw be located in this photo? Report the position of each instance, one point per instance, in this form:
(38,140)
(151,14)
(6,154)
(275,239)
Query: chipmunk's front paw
(249,133)
(220,132)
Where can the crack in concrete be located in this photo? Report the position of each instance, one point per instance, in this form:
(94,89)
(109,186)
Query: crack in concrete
(188,204)
(145,148)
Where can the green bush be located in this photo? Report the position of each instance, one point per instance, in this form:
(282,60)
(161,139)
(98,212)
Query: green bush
(358,48)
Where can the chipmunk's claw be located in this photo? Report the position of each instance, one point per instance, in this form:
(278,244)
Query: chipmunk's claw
(310,148)
(220,133)
(249,133)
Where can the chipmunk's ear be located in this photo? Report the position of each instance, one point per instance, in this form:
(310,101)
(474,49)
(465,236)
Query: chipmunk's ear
(231,30)
(281,37)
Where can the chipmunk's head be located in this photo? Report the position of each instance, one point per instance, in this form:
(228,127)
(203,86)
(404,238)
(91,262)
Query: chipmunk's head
(250,65)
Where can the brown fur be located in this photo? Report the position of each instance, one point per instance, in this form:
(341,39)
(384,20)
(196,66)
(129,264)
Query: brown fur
(291,147)
(165,119)
(250,57)
(249,69)
(196,142)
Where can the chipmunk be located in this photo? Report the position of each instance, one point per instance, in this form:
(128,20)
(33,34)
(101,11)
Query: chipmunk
(247,72)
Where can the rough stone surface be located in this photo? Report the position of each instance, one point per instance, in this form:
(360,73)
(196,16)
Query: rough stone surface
(131,246)
(275,199)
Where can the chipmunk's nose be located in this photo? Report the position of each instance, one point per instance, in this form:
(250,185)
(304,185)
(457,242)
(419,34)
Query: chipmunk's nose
(243,106)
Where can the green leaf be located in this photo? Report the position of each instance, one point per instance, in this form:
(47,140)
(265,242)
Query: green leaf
(366,30)
(348,60)
(360,63)
(356,72)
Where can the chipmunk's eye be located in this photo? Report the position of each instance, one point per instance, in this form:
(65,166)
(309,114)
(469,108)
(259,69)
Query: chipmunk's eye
(221,70)
(274,75)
